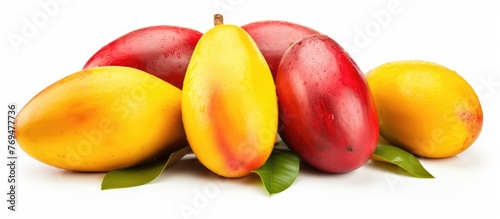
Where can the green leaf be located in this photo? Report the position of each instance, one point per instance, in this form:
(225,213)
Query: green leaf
(405,160)
(280,171)
(140,175)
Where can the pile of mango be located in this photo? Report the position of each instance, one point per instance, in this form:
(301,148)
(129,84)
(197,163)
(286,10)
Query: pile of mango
(229,93)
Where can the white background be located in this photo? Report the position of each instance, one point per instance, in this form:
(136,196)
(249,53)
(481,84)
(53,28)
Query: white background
(462,35)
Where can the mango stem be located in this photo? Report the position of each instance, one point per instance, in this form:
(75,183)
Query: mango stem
(218,19)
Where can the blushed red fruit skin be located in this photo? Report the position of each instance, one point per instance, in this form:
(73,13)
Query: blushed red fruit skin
(163,51)
(326,111)
(274,37)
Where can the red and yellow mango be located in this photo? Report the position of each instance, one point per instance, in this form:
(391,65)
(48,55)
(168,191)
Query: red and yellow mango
(229,103)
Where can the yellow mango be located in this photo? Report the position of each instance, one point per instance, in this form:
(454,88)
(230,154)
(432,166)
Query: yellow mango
(425,108)
(101,119)
(229,103)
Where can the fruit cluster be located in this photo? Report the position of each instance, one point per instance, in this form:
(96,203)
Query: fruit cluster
(230,92)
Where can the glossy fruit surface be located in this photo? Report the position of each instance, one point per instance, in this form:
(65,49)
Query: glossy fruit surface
(327,114)
(273,38)
(229,105)
(163,51)
(425,108)
(100,119)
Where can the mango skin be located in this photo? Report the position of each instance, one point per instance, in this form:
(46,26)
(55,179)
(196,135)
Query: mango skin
(101,119)
(229,103)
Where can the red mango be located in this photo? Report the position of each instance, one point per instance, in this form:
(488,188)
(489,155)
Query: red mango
(163,51)
(273,38)
(326,111)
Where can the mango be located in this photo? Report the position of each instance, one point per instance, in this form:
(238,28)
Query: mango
(163,51)
(273,37)
(326,110)
(229,103)
(100,119)
(425,108)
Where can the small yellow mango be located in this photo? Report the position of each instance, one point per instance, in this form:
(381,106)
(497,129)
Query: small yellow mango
(425,108)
